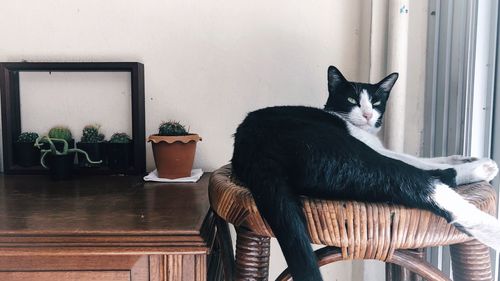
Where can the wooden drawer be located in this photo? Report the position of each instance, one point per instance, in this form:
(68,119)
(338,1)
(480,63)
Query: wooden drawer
(66,275)
(77,268)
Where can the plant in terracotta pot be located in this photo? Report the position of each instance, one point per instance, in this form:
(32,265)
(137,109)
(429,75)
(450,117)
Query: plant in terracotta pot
(173,150)
(60,162)
(92,142)
(25,152)
(119,151)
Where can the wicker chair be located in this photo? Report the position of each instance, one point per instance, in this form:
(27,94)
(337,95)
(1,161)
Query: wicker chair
(350,230)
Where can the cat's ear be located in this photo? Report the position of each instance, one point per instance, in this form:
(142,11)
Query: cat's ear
(387,83)
(335,78)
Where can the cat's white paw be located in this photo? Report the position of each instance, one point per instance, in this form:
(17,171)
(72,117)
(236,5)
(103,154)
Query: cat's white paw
(486,169)
(481,170)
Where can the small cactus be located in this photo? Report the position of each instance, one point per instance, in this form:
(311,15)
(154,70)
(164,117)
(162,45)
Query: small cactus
(120,138)
(27,137)
(91,134)
(172,128)
(60,132)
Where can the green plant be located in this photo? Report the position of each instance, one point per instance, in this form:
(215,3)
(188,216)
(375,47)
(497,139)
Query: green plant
(60,132)
(27,137)
(91,134)
(52,149)
(172,128)
(120,138)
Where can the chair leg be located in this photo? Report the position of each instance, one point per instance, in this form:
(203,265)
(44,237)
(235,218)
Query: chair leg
(471,261)
(226,247)
(390,272)
(252,256)
(408,259)
(395,272)
(420,254)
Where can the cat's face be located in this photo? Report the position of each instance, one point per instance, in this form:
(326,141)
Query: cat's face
(361,104)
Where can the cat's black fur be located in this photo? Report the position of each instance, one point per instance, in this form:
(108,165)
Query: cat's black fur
(283,152)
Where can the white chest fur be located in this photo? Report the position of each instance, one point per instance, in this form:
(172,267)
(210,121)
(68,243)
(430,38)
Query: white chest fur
(366,137)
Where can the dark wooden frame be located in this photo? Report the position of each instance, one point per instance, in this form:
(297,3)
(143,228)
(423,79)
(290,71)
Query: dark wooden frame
(11,114)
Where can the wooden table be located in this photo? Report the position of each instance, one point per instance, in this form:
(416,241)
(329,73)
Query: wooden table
(105,228)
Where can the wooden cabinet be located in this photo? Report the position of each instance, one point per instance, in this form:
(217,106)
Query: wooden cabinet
(106,228)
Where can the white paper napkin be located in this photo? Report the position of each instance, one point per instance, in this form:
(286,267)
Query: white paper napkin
(195,176)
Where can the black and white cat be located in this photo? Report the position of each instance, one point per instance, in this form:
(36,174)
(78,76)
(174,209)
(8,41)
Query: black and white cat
(281,153)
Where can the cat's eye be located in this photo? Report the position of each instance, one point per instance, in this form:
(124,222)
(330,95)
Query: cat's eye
(377,103)
(351,100)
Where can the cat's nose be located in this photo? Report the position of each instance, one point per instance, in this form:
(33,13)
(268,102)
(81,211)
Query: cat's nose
(367,115)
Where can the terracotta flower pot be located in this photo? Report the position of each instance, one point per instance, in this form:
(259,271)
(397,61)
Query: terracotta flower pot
(174,155)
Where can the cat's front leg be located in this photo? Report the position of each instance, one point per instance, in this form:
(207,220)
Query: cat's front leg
(480,170)
(451,160)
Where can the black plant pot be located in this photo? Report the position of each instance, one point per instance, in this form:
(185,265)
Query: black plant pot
(96,152)
(61,167)
(60,145)
(26,154)
(120,156)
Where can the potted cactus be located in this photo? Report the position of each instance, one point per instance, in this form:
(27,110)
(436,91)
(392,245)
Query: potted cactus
(92,142)
(173,150)
(60,162)
(119,151)
(60,132)
(25,152)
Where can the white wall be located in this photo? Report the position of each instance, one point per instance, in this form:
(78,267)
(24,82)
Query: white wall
(415,88)
(108,93)
(207,63)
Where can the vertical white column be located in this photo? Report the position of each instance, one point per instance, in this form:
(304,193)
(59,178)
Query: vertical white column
(378,40)
(397,53)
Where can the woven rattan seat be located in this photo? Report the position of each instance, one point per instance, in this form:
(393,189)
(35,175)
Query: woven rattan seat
(354,230)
